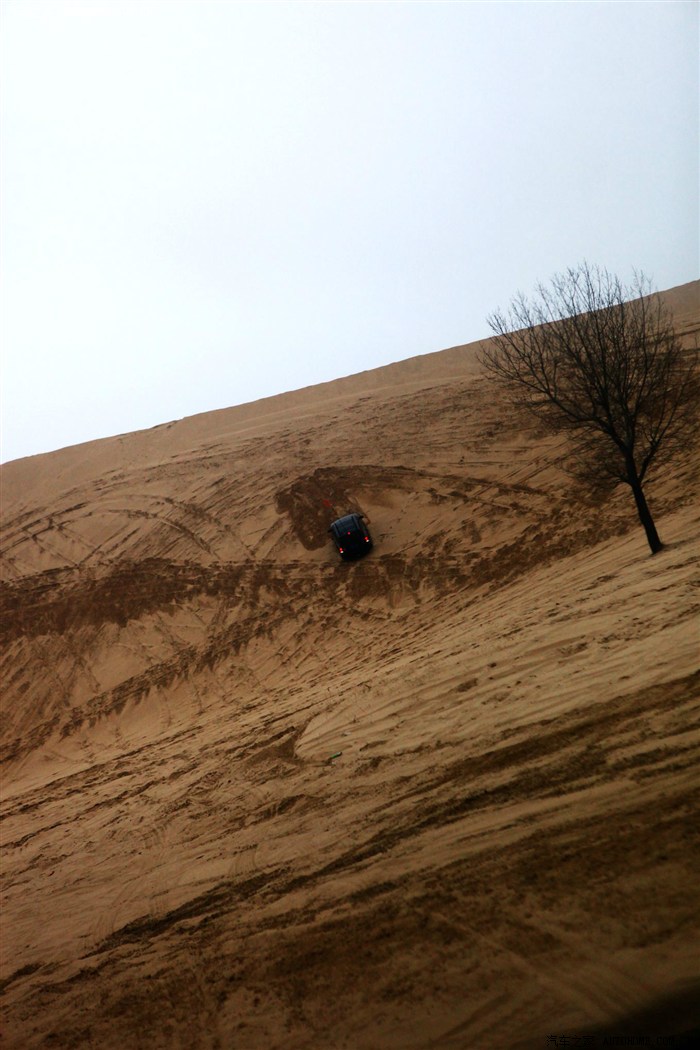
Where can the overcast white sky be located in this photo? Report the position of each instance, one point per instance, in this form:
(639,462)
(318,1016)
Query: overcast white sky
(207,203)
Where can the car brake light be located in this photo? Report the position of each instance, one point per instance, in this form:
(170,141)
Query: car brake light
(366,539)
(340,549)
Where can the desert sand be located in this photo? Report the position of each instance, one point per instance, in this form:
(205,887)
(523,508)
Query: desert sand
(255,798)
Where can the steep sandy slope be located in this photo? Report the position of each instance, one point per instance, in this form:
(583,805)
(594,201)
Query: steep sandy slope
(257,798)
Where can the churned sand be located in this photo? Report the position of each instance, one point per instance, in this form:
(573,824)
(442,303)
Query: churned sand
(255,798)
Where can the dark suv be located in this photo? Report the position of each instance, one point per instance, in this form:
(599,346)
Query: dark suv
(351,536)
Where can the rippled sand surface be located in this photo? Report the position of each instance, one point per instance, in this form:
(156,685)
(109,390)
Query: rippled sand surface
(255,798)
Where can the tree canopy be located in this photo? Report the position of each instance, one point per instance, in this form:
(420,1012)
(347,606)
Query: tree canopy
(592,355)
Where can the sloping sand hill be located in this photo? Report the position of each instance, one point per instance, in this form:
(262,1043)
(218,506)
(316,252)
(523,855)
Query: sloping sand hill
(258,799)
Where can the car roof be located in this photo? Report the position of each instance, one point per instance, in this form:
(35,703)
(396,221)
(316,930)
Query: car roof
(346,521)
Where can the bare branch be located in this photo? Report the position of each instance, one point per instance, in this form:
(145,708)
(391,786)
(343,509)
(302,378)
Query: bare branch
(593,356)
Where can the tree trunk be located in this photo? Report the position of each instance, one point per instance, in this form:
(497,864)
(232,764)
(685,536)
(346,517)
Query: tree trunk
(643,510)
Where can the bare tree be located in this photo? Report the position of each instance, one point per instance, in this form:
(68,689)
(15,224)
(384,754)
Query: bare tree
(601,359)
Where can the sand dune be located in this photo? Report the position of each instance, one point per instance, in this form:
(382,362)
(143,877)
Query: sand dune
(255,798)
